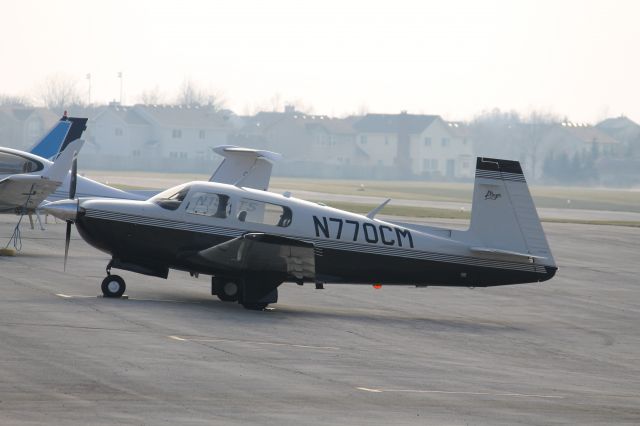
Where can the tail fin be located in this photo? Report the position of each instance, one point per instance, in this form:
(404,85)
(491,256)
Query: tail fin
(503,216)
(62,134)
(59,170)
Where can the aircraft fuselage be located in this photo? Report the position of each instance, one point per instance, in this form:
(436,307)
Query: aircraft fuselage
(349,248)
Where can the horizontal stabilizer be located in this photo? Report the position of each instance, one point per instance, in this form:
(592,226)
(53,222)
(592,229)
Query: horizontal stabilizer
(486,250)
(244,167)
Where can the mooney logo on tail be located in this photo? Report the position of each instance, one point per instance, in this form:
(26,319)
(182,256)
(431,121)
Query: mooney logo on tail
(490,195)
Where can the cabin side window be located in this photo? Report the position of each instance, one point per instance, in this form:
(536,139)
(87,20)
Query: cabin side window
(254,211)
(209,204)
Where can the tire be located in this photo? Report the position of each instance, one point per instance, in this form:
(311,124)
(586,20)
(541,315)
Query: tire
(113,286)
(255,306)
(227,290)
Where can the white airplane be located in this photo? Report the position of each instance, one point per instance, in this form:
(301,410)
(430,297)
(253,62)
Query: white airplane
(26,180)
(20,170)
(250,240)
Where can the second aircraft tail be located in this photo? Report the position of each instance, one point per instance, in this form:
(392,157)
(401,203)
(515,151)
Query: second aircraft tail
(67,130)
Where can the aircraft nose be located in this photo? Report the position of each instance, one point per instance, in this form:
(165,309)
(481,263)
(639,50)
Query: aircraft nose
(63,209)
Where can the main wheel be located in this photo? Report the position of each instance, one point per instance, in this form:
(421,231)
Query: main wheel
(113,286)
(227,290)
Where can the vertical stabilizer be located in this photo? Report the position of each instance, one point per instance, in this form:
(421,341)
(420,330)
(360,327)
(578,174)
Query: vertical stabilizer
(67,130)
(503,215)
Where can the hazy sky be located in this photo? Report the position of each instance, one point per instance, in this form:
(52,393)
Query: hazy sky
(454,58)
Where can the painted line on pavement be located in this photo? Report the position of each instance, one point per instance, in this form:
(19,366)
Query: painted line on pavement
(517,395)
(249,342)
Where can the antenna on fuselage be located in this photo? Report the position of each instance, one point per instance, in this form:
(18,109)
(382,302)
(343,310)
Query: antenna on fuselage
(375,211)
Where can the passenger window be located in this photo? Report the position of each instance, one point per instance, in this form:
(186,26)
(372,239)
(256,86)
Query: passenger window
(208,204)
(266,213)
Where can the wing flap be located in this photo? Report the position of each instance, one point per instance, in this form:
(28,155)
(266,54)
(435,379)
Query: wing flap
(258,252)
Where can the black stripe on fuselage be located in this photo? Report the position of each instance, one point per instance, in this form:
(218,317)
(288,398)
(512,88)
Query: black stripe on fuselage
(154,242)
(318,242)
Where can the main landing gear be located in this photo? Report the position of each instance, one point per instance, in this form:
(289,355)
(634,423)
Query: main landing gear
(113,285)
(227,289)
(251,291)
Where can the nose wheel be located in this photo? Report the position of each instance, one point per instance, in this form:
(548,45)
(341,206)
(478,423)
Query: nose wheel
(113,286)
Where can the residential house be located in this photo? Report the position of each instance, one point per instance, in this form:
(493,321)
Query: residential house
(407,145)
(311,145)
(624,130)
(572,140)
(21,127)
(163,138)
(115,139)
(625,168)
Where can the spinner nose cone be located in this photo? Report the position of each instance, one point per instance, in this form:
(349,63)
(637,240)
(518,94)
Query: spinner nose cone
(63,209)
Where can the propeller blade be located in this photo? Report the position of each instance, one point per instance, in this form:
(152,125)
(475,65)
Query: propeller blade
(74,178)
(66,244)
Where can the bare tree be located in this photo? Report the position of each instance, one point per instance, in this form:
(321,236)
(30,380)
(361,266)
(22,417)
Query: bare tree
(191,94)
(497,133)
(276,102)
(59,92)
(363,109)
(301,106)
(14,100)
(537,124)
(512,135)
(151,96)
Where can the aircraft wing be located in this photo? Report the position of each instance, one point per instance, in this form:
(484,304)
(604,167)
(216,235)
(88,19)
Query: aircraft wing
(245,167)
(25,191)
(258,252)
(28,190)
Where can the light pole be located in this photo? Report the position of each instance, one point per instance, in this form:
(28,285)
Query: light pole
(89,95)
(121,78)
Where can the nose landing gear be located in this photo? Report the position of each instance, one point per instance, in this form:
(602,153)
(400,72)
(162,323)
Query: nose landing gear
(113,285)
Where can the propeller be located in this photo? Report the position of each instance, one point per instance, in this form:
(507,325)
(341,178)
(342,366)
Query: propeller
(72,194)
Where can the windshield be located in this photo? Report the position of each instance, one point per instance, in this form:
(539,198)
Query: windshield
(171,198)
(14,164)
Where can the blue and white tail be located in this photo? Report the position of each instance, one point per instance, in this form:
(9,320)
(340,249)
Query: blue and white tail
(504,219)
(62,134)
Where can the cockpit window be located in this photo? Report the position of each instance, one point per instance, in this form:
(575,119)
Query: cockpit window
(13,164)
(171,198)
